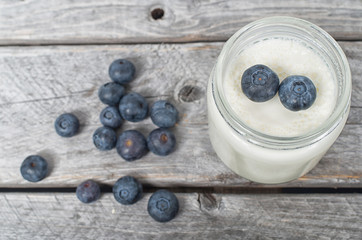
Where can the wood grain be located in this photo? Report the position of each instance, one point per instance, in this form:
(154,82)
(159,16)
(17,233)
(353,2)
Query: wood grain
(113,21)
(39,83)
(201,216)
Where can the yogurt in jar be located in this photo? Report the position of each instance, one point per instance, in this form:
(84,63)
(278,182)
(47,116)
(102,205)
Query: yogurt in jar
(265,142)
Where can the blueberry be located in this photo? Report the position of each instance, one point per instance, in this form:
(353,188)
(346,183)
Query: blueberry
(121,71)
(34,168)
(88,191)
(131,145)
(161,141)
(163,206)
(66,125)
(110,117)
(164,114)
(104,138)
(133,107)
(127,190)
(297,93)
(259,83)
(111,93)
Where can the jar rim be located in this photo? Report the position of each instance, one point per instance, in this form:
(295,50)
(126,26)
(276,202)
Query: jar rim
(271,141)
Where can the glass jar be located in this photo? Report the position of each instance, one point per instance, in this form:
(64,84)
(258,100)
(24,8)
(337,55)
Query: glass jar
(264,158)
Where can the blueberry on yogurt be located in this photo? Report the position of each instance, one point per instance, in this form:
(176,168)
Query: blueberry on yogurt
(259,83)
(297,93)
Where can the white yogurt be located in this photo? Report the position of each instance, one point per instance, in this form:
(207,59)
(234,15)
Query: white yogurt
(285,57)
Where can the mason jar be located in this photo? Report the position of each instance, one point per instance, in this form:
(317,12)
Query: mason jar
(265,158)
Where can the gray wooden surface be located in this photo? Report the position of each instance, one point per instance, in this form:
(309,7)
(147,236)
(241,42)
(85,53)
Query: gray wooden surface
(40,83)
(62,71)
(201,216)
(113,21)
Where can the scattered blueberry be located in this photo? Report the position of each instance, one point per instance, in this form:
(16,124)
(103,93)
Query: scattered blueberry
(297,93)
(104,138)
(163,114)
(111,93)
(259,83)
(127,190)
(34,168)
(161,141)
(110,117)
(163,205)
(121,71)
(131,145)
(88,191)
(66,125)
(133,107)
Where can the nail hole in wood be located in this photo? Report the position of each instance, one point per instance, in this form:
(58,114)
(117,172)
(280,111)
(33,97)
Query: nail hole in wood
(157,13)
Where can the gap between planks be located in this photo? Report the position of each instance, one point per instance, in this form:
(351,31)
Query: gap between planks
(126,43)
(357,40)
(210,190)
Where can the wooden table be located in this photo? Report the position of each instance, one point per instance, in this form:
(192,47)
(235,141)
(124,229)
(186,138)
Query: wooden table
(54,55)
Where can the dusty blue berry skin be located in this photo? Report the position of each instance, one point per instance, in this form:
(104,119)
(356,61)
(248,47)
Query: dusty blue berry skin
(131,145)
(127,190)
(121,71)
(105,138)
(111,93)
(34,168)
(163,114)
(88,191)
(161,141)
(163,205)
(133,107)
(297,93)
(110,117)
(66,125)
(259,83)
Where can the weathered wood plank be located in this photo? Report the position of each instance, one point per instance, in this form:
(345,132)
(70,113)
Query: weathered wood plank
(39,83)
(112,21)
(201,216)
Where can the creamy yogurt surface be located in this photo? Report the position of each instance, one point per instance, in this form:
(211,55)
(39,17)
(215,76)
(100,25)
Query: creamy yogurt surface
(285,57)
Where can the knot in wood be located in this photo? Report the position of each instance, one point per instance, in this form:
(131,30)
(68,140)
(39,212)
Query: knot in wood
(209,202)
(190,93)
